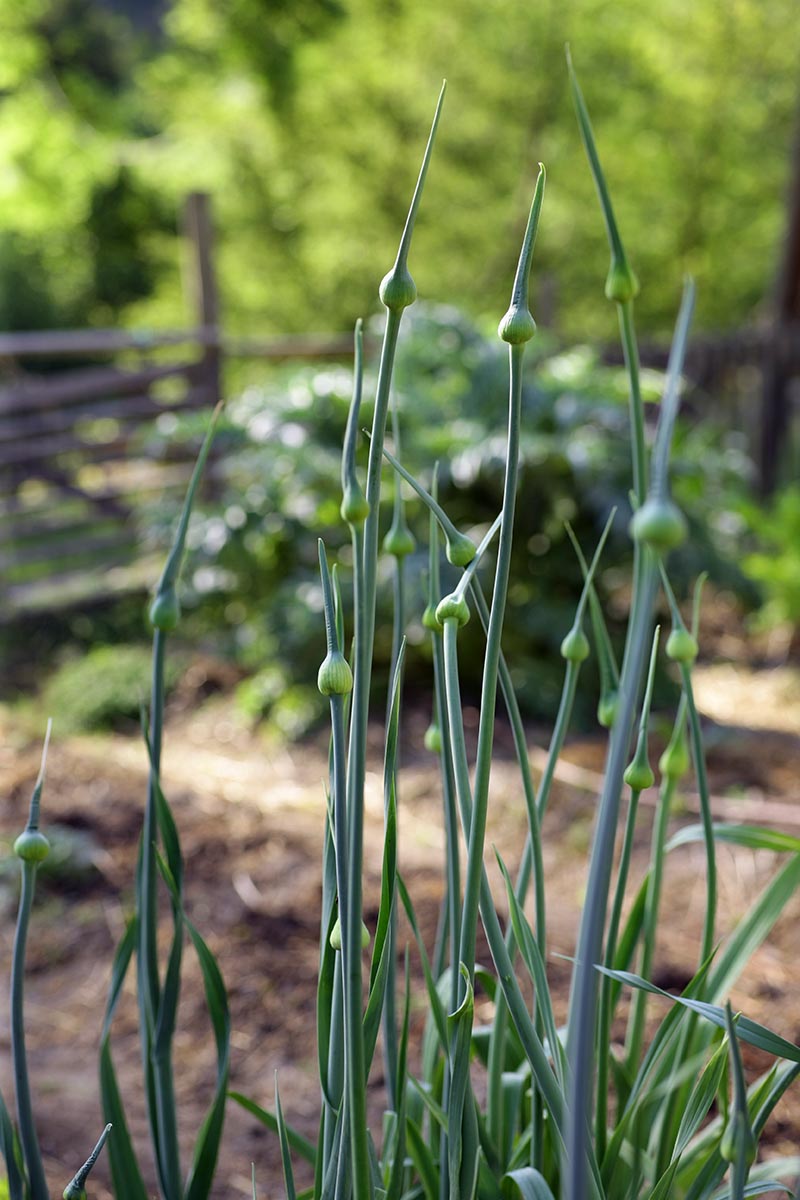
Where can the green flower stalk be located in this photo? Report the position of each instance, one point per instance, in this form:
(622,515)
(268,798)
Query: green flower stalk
(659,523)
(459,548)
(583,996)
(397,292)
(622,286)
(516,328)
(638,776)
(738,1145)
(354,508)
(31,847)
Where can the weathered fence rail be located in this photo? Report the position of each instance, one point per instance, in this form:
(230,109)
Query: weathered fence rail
(76,445)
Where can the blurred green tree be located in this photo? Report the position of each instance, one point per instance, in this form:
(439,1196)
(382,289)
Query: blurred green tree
(305,118)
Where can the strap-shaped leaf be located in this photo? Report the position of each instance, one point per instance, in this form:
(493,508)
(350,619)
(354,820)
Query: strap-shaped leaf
(394,1190)
(459,1028)
(208,1139)
(301,1145)
(325,989)
(125,1173)
(754,837)
(286,1158)
(536,968)
(434,999)
(526,1183)
(700,1100)
(748,1031)
(12,1154)
(423,1160)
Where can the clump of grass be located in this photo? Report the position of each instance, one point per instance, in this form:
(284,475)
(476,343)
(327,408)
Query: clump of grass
(101,690)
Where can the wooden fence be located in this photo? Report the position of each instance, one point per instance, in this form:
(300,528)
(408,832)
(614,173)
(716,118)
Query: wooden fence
(83,448)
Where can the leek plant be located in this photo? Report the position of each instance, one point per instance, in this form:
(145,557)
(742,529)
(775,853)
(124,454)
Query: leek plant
(564,1112)
(560,1112)
(158,996)
(20,1143)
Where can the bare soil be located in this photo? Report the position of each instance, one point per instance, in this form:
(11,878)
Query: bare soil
(250,815)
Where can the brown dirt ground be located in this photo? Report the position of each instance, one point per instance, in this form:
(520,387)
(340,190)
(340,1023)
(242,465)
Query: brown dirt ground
(251,817)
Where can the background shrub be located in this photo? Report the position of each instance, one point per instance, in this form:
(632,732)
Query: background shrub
(104,688)
(254,573)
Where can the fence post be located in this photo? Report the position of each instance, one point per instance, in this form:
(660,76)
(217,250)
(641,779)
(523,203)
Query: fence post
(200,234)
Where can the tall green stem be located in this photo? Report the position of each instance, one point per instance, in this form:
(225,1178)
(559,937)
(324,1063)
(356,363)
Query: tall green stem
(477,831)
(27,1128)
(583,997)
(630,350)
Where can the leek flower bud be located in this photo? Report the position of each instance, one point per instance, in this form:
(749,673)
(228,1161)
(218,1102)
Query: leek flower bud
(335,677)
(607,709)
(674,762)
(399,540)
(738,1139)
(430,620)
(460,549)
(452,608)
(682,646)
(355,506)
(433,738)
(639,774)
(398,290)
(165,611)
(575,646)
(32,846)
(621,282)
(659,523)
(336,936)
(517,325)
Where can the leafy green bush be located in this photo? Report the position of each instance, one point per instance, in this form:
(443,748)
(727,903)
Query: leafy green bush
(775,565)
(102,689)
(253,570)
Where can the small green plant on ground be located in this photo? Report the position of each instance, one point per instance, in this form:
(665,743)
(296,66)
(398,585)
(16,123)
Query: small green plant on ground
(103,689)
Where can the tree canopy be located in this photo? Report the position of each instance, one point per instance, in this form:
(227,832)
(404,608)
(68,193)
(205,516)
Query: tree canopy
(306,120)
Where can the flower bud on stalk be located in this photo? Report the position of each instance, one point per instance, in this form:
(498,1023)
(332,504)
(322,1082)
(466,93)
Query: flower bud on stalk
(607,709)
(621,282)
(674,762)
(32,846)
(336,936)
(639,774)
(335,677)
(429,619)
(399,540)
(460,549)
(355,506)
(682,646)
(165,611)
(575,646)
(659,523)
(453,608)
(433,738)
